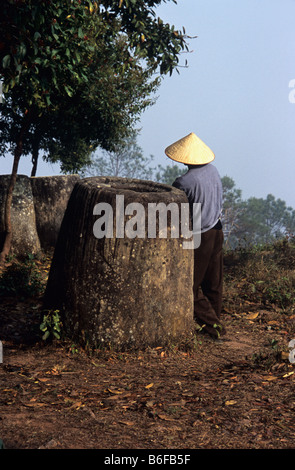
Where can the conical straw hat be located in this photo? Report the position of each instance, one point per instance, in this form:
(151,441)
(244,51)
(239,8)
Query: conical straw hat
(190,150)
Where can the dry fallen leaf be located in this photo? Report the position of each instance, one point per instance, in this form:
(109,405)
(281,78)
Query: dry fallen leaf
(178,403)
(34,404)
(252,316)
(127,423)
(149,385)
(77,405)
(113,397)
(165,418)
(150,403)
(230,402)
(288,374)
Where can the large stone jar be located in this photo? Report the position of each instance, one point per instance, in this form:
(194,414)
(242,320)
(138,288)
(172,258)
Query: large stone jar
(23,221)
(51,195)
(117,283)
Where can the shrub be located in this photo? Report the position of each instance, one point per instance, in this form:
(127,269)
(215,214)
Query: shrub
(262,274)
(21,278)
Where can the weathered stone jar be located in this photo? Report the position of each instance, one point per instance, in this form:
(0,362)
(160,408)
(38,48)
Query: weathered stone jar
(51,195)
(115,285)
(23,221)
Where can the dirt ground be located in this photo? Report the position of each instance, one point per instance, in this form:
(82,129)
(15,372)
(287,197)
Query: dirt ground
(236,394)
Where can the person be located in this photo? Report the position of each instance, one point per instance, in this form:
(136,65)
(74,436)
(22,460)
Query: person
(202,184)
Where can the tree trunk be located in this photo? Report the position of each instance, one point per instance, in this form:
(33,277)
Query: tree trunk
(7,216)
(121,291)
(35,153)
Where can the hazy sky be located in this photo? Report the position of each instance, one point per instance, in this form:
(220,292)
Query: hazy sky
(234,95)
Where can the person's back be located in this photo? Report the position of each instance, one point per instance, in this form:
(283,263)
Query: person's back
(202,184)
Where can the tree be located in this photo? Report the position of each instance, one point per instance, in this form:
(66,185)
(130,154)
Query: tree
(55,56)
(254,220)
(264,220)
(232,209)
(126,160)
(169,174)
(111,103)
(42,134)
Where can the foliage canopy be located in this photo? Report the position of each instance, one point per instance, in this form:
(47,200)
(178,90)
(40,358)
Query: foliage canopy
(83,71)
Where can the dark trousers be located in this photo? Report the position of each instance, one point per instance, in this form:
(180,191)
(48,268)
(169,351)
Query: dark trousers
(208,279)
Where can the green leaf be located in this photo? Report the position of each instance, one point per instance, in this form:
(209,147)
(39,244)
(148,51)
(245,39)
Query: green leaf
(45,336)
(6,61)
(22,50)
(47,97)
(69,91)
